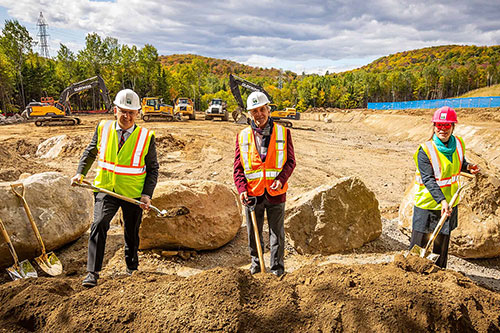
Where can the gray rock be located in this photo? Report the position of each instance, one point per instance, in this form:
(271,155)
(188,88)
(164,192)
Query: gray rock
(62,214)
(333,218)
(213,221)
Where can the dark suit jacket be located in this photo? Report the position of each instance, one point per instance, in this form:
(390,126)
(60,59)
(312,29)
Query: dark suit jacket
(152,166)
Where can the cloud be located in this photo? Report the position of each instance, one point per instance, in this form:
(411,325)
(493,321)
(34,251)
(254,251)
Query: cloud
(287,31)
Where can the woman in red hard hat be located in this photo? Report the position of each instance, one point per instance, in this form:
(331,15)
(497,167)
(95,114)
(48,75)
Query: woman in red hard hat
(439,162)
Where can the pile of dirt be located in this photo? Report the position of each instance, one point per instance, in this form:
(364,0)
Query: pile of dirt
(167,143)
(13,164)
(377,297)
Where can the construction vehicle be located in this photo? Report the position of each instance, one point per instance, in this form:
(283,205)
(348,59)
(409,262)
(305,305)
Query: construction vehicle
(217,109)
(185,107)
(280,116)
(153,108)
(48,111)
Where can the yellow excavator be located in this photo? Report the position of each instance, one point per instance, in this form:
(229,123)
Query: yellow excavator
(153,108)
(185,107)
(281,116)
(50,112)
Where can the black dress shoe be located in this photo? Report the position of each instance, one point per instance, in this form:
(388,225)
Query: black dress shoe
(278,273)
(254,270)
(90,280)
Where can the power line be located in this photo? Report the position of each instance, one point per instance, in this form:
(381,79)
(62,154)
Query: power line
(43,34)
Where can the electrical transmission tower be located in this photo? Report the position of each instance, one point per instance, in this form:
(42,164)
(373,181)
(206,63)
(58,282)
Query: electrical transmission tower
(42,34)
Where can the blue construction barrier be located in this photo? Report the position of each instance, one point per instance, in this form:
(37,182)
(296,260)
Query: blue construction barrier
(469,102)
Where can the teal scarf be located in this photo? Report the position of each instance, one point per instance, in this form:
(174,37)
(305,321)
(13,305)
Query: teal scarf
(446,151)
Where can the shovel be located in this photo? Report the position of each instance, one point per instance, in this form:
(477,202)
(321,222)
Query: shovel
(159,213)
(251,203)
(423,252)
(48,262)
(20,270)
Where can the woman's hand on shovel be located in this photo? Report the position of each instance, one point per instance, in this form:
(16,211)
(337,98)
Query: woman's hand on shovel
(445,208)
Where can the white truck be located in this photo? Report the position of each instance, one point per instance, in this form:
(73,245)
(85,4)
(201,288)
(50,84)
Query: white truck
(217,109)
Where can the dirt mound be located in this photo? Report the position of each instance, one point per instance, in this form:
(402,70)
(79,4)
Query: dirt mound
(13,164)
(167,143)
(381,297)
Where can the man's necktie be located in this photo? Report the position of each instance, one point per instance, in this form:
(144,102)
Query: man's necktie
(122,140)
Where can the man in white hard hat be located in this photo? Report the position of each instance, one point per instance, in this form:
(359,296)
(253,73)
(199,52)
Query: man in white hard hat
(264,160)
(127,165)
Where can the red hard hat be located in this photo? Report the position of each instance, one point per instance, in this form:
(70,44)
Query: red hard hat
(445,115)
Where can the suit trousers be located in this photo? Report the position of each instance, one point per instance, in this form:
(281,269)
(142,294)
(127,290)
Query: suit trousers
(105,208)
(275,220)
(441,244)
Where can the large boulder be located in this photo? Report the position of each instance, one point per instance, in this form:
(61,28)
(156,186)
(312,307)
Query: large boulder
(333,218)
(62,214)
(52,147)
(478,231)
(213,221)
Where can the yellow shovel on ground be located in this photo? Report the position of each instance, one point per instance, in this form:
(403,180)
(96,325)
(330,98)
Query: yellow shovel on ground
(424,252)
(20,270)
(48,262)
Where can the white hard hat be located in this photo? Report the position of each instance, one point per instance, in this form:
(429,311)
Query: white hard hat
(127,99)
(256,99)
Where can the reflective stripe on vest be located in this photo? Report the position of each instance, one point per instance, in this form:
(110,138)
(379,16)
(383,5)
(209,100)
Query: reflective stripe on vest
(260,175)
(122,171)
(446,174)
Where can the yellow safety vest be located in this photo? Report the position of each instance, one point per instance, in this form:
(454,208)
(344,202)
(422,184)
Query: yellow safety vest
(260,175)
(122,172)
(446,174)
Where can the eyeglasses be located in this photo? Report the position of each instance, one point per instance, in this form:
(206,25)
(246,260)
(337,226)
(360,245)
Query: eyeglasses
(128,113)
(443,126)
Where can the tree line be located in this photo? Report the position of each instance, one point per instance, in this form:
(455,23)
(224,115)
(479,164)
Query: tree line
(429,73)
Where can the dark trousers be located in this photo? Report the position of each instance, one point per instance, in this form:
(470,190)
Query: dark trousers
(441,244)
(105,208)
(275,220)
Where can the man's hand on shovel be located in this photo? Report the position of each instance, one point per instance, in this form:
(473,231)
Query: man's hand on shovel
(77,179)
(146,202)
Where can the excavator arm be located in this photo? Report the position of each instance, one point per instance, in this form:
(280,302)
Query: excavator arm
(282,117)
(235,82)
(96,81)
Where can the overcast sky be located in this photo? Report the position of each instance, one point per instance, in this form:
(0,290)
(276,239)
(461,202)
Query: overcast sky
(310,36)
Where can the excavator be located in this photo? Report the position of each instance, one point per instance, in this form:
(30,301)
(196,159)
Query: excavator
(281,116)
(48,111)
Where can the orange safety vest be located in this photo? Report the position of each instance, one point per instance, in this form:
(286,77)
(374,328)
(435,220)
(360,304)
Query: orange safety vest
(260,175)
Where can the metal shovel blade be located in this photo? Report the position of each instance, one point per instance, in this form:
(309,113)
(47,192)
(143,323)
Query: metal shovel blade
(22,271)
(50,264)
(420,252)
(179,211)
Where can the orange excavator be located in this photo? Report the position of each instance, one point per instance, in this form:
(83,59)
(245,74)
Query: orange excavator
(48,111)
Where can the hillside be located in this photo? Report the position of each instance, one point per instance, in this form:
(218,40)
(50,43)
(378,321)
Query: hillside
(450,56)
(484,92)
(221,67)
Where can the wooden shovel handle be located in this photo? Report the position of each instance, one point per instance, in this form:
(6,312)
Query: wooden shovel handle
(443,218)
(28,213)
(9,243)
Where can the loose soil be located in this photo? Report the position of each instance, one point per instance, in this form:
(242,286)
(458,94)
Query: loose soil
(372,288)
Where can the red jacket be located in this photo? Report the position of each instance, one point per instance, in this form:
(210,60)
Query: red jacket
(239,175)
